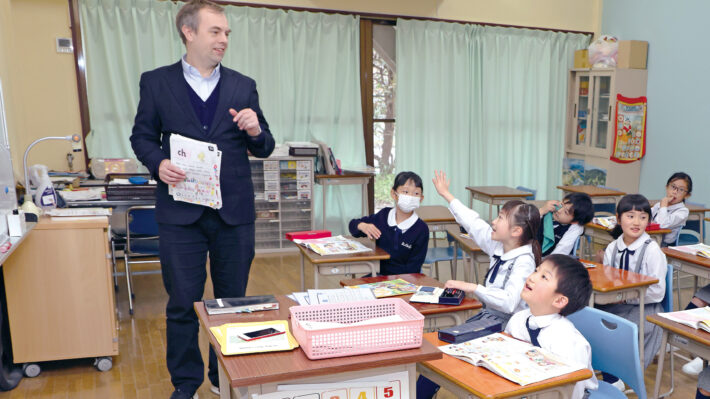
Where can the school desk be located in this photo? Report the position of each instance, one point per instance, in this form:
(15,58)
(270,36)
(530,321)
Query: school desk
(470,248)
(465,380)
(681,336)
(696,212)
(599,195)
(494,195)
(347,178)
(601,235)
(331,265)
(243,375)
(611,285)
(695,265)
(437,217)
(457,314)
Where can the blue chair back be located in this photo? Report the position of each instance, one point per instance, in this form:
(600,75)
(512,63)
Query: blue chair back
(576,247)
(615,345)
(530,190)
(667,301)
(142,222)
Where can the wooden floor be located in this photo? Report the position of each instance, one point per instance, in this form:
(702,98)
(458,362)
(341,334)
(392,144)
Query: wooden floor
(139,370)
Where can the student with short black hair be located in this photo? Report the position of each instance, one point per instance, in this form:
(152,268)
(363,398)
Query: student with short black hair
(670,212)
(559,287)
(563,223)
(398,230)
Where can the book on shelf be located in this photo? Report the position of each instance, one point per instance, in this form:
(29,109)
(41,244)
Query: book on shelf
(441,296)
(383,289)
(337,245)
(695,249)
(302,148)
(245,304)
(697,318)
(515,360)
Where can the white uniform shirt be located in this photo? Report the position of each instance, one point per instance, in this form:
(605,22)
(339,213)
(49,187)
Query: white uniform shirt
(654,264)
(672,217)
(495,295)
(559,336)
(202,86)
(566,243)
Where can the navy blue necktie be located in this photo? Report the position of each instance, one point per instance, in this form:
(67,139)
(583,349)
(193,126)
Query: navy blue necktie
(532,332)
(624,262)
(493,271)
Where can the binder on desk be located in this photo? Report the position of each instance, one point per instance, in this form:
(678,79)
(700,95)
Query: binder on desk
(329,162)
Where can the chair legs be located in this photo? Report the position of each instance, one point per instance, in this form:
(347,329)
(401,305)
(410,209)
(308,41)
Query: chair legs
(129,284)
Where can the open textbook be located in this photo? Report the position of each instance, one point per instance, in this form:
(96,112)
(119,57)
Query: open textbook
(201,162)
(607,221)
(515,360)
(696,249)
(337,245)
(383,289)
(697,318)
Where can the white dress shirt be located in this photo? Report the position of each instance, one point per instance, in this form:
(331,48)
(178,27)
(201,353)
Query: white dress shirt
(672,217)
(566,243)
(654,264)
(202,86)
(405,225)
(559,336)
(496,295)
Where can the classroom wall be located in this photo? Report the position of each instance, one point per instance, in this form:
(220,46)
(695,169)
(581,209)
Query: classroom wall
(678,83)
(40,84)
(42,93)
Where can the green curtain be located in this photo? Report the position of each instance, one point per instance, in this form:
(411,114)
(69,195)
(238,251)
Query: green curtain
(485,104)
(306,66)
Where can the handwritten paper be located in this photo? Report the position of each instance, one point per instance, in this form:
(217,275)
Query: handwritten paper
(201,163)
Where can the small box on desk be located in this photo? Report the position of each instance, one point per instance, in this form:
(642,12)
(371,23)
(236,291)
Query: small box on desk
(581,59)
(470,330)
(632,54)
(307,235)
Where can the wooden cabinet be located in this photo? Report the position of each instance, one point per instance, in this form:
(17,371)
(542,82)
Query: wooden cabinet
(283,200)
(591,123)
(60,297)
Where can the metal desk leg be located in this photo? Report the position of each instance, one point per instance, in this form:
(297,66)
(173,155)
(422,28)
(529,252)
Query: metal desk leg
(325,190)
(364,199)
(303,273)
(454,262)
(661,358)
(642,322)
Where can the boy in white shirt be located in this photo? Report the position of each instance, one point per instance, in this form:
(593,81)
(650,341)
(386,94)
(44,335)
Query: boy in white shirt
(559,287)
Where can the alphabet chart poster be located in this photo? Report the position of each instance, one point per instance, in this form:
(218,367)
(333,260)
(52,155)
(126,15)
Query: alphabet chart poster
(387,386)
(201,163)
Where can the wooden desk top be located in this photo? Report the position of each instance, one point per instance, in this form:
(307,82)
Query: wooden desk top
(498,191)
(595,226)
(245,370)
(435,214)
(694,259)
(84,222)
(609,279)
(691,207)
(419,279)
(484,383)
(345,175)
(466,244)
(698,335)
(592,191)
(377,253)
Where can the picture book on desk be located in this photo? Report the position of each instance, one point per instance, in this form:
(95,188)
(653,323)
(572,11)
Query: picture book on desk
(383,289)
(696,249)
(245,304)
(337,245)
(697,318)
(512,359)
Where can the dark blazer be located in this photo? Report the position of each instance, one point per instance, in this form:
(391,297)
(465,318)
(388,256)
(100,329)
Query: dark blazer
(165,108)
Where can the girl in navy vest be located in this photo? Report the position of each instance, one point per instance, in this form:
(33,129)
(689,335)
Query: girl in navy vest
(398,230)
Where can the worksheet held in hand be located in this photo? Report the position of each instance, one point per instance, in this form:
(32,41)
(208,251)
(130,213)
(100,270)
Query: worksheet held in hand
(201,163)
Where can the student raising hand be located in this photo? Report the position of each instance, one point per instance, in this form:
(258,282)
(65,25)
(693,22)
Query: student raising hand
(441,183)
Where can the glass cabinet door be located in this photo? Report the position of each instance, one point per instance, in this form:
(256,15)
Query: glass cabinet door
(602,110)
(582,110)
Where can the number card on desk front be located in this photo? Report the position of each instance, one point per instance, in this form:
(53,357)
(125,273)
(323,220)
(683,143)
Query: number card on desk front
(388,386)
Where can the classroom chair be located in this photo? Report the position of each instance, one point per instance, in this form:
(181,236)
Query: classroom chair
(141,243)
(530,190)
(576,247)
(440,254)
(667,304)
(615,349)
(695,224)
(688,237)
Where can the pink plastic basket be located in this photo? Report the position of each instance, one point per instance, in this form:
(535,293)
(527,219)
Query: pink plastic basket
(357,340)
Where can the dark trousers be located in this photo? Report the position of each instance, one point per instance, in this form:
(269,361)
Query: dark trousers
(183,253)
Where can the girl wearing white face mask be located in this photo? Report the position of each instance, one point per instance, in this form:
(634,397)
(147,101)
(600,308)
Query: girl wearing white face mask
(398,230)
